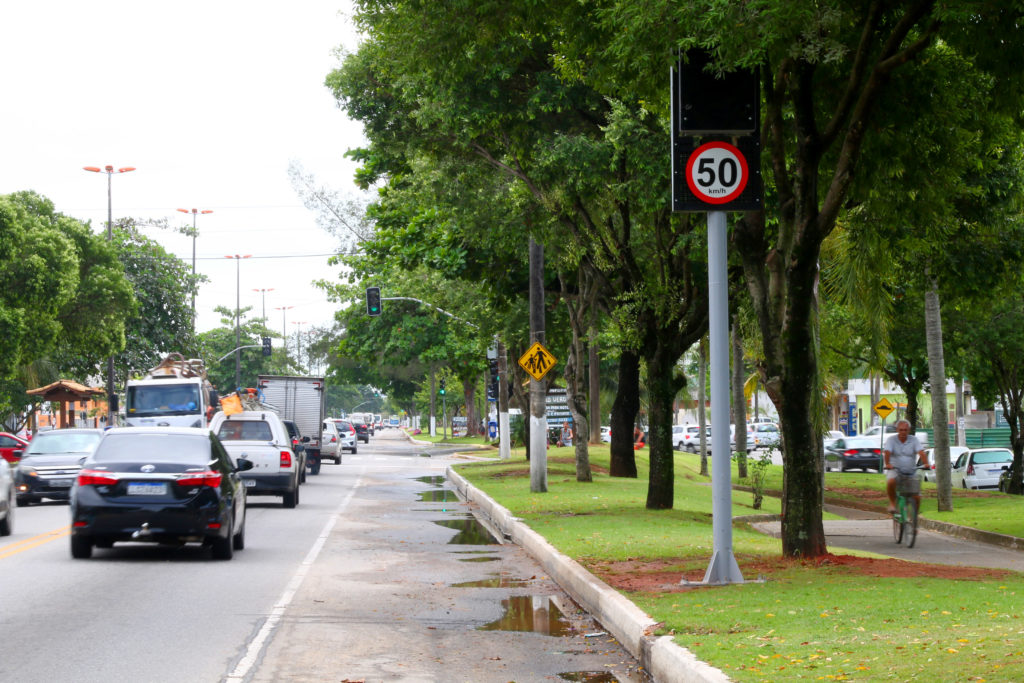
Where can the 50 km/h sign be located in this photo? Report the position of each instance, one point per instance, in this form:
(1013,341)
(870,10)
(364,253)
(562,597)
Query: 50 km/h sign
(717,172)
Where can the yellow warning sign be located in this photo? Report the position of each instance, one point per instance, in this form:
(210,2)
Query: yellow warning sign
(537,361)
(884,408)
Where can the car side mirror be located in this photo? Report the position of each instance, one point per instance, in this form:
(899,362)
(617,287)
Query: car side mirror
(244,464)
(1005,467)
(305,439)
(16,454)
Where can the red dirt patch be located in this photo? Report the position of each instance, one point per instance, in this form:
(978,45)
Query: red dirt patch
(661,576)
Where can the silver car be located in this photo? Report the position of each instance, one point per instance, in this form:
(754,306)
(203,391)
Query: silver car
(954,453)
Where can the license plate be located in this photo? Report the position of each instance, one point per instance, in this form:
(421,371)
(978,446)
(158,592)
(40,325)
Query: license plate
(60,483)
(146,489)
(249,483)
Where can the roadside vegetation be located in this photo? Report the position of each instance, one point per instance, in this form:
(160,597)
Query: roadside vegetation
(844,616)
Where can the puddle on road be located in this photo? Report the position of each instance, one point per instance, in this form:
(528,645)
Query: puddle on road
(479,559)
(439,496)
(531,613)
(590,676)
(502,581)
(471,532)
(432,480)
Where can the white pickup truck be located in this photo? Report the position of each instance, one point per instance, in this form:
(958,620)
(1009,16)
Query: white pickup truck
(261,437)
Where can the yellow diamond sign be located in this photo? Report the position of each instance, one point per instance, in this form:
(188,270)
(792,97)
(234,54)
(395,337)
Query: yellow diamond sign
(884,408)
(537,361)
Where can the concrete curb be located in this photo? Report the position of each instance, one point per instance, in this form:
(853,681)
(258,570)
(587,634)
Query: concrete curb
(663,659)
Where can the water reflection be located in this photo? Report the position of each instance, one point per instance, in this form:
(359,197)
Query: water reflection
(471,532)
(439,496)
(532,613)
(503,581)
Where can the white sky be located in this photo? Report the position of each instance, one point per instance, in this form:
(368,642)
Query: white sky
(210,100)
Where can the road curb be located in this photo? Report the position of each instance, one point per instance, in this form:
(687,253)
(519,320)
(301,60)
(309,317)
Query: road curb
(664,660)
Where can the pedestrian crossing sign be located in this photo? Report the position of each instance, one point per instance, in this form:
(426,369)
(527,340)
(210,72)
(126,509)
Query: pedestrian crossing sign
(537,361)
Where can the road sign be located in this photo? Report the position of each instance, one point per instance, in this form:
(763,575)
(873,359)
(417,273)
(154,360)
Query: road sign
(537,361)
(717,172)
(884,408)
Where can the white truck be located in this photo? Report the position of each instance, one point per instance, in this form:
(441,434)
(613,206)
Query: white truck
(260,437)
(175,393)
(302,400)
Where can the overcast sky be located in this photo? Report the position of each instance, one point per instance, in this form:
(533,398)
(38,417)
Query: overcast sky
(210,100)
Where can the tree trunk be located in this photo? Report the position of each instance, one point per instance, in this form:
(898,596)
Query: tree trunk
(739,404)
(624,410)
(702,401)
(937,379)
(662,387)
(594,383)
(575,371)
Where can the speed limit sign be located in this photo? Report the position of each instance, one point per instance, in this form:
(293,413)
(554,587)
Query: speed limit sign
(714,175)
(717,173)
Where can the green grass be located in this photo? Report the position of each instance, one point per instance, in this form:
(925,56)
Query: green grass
(457,440)
(828,622)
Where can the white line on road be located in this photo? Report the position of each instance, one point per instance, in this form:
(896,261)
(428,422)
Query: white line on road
(260,639)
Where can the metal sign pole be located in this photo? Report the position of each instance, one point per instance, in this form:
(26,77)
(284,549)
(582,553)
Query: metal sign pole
(723,567)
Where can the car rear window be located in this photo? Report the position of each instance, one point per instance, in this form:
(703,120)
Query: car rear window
(986,457)
(188,449)
(245,430)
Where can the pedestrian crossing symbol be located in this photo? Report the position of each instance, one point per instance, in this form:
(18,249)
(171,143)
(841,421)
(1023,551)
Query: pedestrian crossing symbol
(537,361)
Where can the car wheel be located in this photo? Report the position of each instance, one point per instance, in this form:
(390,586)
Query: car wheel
(291,498)
(238,540)
(22,502)
(337,459)
(691,448)
(7,522)
(353,450)
(81,547)
(223,548)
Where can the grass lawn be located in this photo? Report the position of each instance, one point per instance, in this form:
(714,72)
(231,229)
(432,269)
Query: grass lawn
(847,618)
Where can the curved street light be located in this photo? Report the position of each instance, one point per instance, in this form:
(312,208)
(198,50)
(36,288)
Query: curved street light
(238,314)
(194,212)
(110,171)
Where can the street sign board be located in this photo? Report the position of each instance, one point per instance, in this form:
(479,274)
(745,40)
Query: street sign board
(537,361)
(717,172)
(884,408)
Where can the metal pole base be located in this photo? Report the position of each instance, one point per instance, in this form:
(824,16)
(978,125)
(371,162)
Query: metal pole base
(722,570)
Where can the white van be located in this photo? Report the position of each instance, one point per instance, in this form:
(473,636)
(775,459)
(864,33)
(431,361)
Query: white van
(260,436)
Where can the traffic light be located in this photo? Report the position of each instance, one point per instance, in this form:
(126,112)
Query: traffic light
(373,300)
(441,390)
(266,346)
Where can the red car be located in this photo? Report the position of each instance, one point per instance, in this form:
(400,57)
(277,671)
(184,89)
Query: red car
(11,447)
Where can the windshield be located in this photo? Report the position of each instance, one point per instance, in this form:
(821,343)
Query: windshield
(52,443)
(167,399)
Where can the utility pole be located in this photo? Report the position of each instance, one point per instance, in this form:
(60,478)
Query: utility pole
(538,409)
(505,442)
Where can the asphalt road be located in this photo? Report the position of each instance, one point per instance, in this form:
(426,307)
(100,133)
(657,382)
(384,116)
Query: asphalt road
(359,582)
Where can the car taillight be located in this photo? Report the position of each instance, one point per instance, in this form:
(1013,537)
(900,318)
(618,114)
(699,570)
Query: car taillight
(207,478)
(96,478)
(850,451)
(970,468)
(286,459)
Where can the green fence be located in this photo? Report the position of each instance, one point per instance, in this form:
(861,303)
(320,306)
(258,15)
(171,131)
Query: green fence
(977,438)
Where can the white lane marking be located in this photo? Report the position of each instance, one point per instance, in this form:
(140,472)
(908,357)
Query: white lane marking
(260,639)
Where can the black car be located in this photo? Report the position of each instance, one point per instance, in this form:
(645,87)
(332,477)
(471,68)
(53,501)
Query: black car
(51,462)
(159,485)
(362,430)
(853,453)
(298,446)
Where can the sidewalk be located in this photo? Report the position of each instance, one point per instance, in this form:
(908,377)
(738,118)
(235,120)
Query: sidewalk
(667,662)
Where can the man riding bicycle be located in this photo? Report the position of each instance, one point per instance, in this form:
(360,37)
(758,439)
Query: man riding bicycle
(902,452)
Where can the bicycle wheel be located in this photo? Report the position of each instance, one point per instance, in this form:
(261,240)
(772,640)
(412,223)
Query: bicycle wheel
(897,522)
(911,523)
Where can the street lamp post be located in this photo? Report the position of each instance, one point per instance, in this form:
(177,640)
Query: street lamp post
(298,339)
(238,315)
(264,292)
(284,326)
(109,170)
(194,212)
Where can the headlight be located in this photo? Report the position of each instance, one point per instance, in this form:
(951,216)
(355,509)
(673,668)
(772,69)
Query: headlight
(27,471)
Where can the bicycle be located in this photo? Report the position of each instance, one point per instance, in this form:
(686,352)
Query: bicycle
(904,520)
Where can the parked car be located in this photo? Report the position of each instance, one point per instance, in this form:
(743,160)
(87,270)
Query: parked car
(691,440)
(347,436)
(329,446)
(679,433)
(51,462)
(362,428)
(954,453)
(763,435)
(6,499)
(159,485)
(260,437)
(298,446)
(1004,480)
(890,430)
(12,447)
(854,453)
(606,434)
(980,468)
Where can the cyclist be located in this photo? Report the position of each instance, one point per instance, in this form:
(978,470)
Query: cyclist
(900,452)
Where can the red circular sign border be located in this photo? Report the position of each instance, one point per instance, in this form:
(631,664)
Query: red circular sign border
(743,167)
